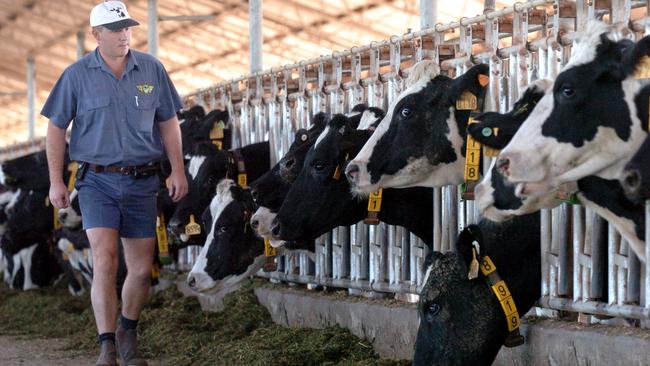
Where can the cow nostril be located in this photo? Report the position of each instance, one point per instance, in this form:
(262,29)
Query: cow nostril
(503,165)
(254,224)
(191,282)
(351,171)
(63,215)
(289,163)
(632,180)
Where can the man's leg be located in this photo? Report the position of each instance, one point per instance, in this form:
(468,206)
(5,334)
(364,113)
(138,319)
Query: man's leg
(138,254)
(103,242)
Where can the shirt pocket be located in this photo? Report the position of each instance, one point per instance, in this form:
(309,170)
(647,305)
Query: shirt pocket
(145,109)
(94,104)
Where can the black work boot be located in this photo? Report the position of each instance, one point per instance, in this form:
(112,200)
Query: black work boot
(127,347)
(107,354)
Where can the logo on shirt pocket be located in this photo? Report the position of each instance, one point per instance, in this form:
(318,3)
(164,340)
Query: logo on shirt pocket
(145,88)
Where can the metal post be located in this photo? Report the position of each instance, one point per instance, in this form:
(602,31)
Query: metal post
(81,44)
(31,93)
(428,13)
(255,34)
(152,27)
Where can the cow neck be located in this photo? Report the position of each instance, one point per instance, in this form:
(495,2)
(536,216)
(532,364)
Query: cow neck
(500,290)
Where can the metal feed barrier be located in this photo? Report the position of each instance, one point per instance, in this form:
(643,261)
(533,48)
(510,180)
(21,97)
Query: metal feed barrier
(586,266)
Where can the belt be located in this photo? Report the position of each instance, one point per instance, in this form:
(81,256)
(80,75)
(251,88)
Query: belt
(136,171)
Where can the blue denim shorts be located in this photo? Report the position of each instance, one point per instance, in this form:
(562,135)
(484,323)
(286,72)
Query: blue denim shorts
(120,202)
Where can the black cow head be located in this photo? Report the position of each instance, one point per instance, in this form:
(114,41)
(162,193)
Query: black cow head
(270,191)
(207,165)
(496,198)
(589,123)
(231,248)
(420,140)
(28,172)
(302,216)
(461,320)
(636,177)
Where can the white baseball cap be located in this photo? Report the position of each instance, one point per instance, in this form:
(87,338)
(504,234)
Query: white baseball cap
(112,15)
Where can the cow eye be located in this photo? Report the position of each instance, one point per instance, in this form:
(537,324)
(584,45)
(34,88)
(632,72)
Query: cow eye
(433,309)
(318,166)
(303,137)
(223,229)
(568,92)
(406,112)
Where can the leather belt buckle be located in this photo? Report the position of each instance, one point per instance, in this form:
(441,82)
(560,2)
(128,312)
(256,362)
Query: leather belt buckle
(127,170)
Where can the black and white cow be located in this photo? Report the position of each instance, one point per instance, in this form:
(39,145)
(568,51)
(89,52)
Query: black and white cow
(207,166)
(321,199)
(421,140)
(494,196)
(28,172)
(270,190)
(586,129)
(232,251)
(196,128)
(25,244)
(461,320)
(636,177)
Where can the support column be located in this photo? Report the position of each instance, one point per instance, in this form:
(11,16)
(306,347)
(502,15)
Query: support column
(428,13)
(152,27)
(81,44)
(255,34)
(31,93)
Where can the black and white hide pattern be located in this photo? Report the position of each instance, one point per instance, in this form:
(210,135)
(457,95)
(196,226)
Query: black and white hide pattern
(231,252)
(494,196)
(318,201)
(636,177)
(207,166)
(461,320)
(420,141)
(586,129)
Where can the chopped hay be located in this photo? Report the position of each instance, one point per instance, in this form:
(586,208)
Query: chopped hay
(176,331)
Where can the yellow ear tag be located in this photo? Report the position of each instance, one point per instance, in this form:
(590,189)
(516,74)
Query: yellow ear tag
(483,80)
(217,130)
(269,254)
(55,218)
(192,228)
(488,150)
(163,243)
(374,201)
(242,180)
(642,69)
(72,168)
(467,102)
(473,267)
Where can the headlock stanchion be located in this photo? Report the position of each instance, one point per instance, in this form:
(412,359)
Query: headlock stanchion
(521,43)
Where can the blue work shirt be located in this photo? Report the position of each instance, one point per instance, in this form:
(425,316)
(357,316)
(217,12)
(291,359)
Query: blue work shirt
(115,121)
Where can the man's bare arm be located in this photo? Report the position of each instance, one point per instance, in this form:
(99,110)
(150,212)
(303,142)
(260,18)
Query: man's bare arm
(55,149)
(171,135)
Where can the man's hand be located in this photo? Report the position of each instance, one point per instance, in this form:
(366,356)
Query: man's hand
(59,195)
(177,185)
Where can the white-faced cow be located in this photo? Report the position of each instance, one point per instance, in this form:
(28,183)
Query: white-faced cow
(461,320)
(421,140)
(207,166)
(585,129)
(231,251)
(321,198)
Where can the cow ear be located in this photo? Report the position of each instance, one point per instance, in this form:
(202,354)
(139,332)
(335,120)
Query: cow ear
(636,59)
(475,81)
(465,246)
(319,120)
(493,129)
